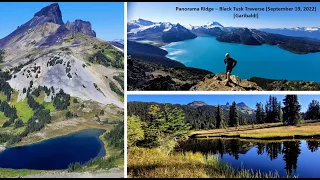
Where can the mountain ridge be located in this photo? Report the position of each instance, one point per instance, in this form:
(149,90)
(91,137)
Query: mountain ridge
(53,53)
(242,35)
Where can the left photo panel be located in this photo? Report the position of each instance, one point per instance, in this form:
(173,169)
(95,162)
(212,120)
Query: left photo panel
(62,89)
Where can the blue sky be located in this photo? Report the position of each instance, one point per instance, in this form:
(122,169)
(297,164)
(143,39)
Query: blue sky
(107,18)
(166,12)
(249,100)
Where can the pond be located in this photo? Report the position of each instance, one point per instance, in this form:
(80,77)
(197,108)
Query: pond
(293,158)
(55,153)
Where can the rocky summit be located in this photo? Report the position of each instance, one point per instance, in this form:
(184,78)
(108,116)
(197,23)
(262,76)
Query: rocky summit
(197,103)
(52,13)
(80,26)
(46,28)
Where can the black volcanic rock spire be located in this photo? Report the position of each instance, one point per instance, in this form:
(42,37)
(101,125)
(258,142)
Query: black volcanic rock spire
(80,26)
(48,15)
(52,12)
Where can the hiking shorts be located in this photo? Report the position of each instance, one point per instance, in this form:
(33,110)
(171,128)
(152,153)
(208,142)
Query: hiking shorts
(229,69)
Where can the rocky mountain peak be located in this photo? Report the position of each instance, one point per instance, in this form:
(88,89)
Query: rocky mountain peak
(214,23)
(143,22)
(80,26)
(53,13)
(197,103)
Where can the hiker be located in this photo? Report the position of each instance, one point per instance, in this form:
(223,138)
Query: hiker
(230,64)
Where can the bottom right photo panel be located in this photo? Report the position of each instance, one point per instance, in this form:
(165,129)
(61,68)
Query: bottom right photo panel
(223,136)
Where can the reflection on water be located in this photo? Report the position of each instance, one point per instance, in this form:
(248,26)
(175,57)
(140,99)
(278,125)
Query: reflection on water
(282,156)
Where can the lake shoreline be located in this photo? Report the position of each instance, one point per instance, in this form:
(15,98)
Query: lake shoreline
(163,47)
(294,137)
(271,131)
(183,165)
(56,136)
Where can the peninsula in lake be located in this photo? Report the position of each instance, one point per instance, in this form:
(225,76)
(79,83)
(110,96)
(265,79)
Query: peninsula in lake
(61,93)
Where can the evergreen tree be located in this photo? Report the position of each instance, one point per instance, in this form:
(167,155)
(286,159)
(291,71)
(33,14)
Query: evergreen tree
(19,123)
(313,111)
(174,123)
(135,130)
(218,117)
(291,110)
(259,114)
(154,129)
(233,115)
(61,101)
(273,110)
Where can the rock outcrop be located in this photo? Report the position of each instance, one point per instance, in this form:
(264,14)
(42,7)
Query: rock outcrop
(217,83)
(80,26)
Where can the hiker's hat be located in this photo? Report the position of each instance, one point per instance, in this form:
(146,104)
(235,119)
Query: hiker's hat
(227,54)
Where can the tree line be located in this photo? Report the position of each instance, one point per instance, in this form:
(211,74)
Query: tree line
(201,117)
(40,118)
(209,117)
(115,137)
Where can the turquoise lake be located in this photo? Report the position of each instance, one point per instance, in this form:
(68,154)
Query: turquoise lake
(253,61)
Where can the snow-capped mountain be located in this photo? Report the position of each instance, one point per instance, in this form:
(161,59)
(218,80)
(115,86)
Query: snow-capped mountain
(211,28)
(209,25)
(121,41)
(311,32)
(158,31)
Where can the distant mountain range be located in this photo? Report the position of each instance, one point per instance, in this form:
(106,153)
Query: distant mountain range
(121,41)
(310,32)
(166,32)
(242,107)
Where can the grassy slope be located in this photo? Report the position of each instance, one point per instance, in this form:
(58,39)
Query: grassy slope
(151,163)
(23,110)
(265,131)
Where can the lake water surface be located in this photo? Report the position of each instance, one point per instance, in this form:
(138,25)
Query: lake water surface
(300,157)
(260,61)
(55,153)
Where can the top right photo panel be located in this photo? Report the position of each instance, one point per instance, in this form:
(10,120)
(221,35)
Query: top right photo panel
(223,46)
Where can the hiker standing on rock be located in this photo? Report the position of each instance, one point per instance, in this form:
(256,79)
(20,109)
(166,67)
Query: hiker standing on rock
(230,64)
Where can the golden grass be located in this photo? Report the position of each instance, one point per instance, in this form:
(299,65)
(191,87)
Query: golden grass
(267,131)
(152,163)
